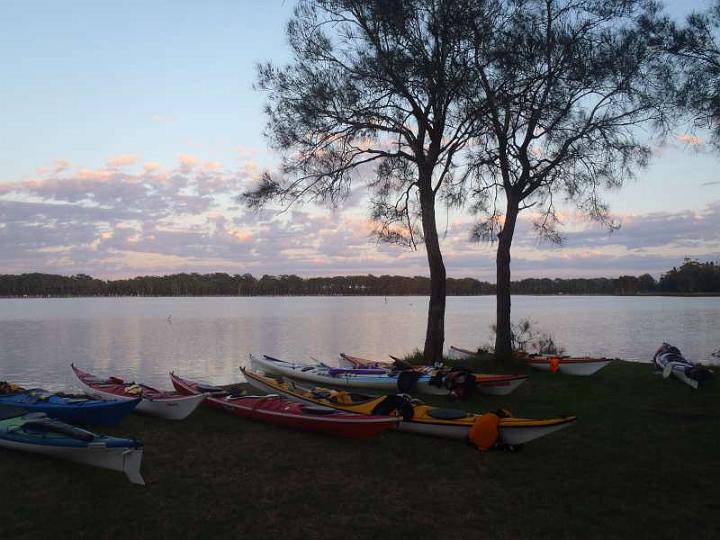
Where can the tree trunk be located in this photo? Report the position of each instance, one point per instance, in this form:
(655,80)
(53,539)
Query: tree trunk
(435,335)
(503,335)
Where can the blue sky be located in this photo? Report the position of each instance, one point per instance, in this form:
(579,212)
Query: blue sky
(128,126)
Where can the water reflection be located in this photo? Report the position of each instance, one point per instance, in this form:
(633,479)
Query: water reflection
(144,338)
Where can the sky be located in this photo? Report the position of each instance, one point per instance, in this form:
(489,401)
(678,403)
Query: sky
(128,128)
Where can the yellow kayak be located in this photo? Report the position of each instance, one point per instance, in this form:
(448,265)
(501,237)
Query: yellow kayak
(417,416)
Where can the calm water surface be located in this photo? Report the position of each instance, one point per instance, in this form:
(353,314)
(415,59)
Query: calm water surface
(144,338)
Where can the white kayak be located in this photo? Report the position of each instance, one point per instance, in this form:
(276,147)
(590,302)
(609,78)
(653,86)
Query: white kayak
(38,434)
(169,405)
(670,361)
(368,379)
(568,365)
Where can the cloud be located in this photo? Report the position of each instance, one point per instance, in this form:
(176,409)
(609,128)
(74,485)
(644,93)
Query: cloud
(116,223)
(690,140)
(151,166)
(247,153)
(210,166)
(187,162)
(58,166)
(122,161)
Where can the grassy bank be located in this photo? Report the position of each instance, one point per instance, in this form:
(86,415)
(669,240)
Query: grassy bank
(641,462)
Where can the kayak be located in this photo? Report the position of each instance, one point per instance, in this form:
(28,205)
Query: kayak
(282,411)
(670,361)
(494,384)
(165,404)
(39,434)
(416,417)
(370,379)
(564,364)
(569,365)
(68,409)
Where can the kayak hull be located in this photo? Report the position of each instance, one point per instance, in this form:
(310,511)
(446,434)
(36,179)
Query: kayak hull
(281,411)
(499,385)
(566,365)
(123,455)
(166,405)
(570,366)
(382,382)
(670,360)
(486,383)
(513,431)
(125,460)
(74,411)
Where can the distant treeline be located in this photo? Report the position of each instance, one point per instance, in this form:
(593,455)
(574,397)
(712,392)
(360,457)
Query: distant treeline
(691,277)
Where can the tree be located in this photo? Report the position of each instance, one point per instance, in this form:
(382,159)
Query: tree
(564,86)
(697,45)
(377,89)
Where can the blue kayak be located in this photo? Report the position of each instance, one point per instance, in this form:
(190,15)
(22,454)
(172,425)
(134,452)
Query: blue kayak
(39,434)
(68,409)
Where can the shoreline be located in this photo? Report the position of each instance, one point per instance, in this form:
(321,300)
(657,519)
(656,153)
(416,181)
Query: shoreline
(618,473)
(642,295)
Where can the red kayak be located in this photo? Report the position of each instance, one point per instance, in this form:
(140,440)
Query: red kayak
(279,410)
(168,405)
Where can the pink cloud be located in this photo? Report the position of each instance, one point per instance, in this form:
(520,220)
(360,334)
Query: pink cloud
(690,140)
(92,174)
(151,166)
(187,162)
(122,160)
(60,165)
(251,168)
(210,166)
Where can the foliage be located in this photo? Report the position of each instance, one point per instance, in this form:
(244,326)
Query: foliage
(691,277)
(377,92)
(565,87)
(697,44)
(525,337)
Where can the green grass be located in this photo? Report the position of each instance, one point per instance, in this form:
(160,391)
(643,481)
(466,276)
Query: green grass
(643,461)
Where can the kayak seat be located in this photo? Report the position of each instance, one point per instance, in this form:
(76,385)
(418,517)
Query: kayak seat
(55,426)
(209,388)
(446,414)
(307,368)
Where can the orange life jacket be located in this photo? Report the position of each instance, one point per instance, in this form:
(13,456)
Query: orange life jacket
(485,431)
(554,364)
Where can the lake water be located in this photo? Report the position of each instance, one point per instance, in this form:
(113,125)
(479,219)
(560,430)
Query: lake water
(144,338)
